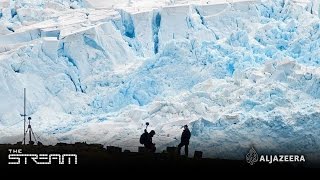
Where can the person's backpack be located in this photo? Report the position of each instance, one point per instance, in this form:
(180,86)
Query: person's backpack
(143,137)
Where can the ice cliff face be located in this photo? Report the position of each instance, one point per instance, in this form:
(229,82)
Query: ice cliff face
(240,73)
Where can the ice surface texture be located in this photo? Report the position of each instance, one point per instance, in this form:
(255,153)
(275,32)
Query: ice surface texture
(241,74)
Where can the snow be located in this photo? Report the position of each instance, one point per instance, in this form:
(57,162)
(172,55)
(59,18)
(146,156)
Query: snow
(240,73)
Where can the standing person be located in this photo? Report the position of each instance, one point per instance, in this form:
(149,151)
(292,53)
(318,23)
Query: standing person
(185,139)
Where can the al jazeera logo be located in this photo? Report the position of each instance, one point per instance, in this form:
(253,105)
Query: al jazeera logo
(253,157)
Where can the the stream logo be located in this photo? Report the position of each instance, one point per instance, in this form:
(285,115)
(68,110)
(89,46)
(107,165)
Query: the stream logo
(16,157)
(252,157)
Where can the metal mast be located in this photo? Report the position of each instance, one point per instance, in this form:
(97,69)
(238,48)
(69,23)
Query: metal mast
(24,118)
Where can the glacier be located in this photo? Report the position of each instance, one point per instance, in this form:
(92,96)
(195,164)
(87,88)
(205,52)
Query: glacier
(241,73)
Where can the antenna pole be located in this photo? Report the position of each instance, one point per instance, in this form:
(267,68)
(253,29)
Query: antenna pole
(24,117)
(29,127)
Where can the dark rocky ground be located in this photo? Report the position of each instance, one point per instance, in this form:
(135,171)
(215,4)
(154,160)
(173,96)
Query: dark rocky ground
(94,157)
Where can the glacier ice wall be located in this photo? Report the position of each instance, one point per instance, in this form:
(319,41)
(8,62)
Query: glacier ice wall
(240,74)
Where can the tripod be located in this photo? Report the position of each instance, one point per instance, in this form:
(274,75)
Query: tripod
(30,131)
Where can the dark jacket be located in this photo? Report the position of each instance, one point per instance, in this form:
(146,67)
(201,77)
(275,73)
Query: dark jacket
(148,140)
(185,137)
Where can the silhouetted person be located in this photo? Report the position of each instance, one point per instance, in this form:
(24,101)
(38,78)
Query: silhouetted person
(151,147)
(185,138)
